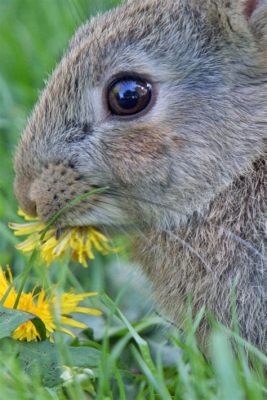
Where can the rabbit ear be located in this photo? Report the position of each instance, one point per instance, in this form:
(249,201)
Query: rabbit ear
(252,6)
(249,7)
(256,12)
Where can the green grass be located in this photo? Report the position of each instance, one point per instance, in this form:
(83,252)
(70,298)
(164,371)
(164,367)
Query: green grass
(140,355)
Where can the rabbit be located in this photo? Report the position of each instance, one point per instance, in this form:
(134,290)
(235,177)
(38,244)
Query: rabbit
(164,103)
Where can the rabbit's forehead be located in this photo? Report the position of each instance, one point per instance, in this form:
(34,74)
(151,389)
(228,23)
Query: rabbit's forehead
(124,37)
(168,32)
(89,67)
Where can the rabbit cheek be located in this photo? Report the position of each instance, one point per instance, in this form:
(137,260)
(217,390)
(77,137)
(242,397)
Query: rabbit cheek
(140,171)
(138,159)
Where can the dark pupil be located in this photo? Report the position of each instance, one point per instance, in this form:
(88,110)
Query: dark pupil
(129,96)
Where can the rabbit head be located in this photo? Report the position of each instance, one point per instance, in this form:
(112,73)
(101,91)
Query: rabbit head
(161,102)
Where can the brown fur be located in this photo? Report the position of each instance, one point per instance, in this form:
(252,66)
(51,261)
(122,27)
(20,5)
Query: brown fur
(213,248)
(189,174)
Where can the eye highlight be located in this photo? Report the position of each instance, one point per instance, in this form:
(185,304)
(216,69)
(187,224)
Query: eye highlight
(129,96)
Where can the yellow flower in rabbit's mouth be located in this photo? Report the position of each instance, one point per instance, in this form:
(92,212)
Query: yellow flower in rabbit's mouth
(81,241)
(44,306)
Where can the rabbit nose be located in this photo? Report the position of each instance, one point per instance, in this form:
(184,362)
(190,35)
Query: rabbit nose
(22,193)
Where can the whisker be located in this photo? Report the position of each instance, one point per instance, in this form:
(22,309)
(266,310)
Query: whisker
(190,248)
(243,242)
(104,201)
(140,199)
(183,243)
(175,236)
(230,234)
(123,228)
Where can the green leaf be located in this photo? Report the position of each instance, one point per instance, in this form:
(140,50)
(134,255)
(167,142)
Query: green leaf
(10,319)
(45,360)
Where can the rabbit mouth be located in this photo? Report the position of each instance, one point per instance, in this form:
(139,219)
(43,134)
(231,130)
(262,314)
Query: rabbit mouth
(59,185)
(77,200)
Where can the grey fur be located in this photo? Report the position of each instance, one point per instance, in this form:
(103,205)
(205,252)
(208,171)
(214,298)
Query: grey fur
(190,174)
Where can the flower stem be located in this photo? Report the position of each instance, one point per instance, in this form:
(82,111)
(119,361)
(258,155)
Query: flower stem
(25,276)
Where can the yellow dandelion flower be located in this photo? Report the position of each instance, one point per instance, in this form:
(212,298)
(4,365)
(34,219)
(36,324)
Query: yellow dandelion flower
(45,307)
(82,241)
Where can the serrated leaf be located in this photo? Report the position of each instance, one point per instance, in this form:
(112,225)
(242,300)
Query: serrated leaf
(10,319)
(45,360)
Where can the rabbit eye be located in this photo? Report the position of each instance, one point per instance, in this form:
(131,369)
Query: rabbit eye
(129,96)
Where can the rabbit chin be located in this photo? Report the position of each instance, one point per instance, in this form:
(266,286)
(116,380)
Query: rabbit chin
(105,215)
(115,217)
